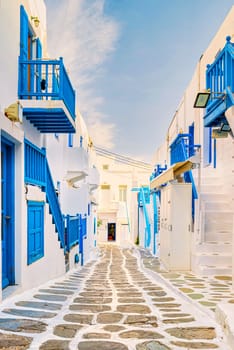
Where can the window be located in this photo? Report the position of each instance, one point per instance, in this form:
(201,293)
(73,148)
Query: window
(105,167)
(70,140)
(122,193)
(35,231)
(105,187)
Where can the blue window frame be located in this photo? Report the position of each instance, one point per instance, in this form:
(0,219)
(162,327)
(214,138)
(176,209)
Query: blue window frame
(35,231)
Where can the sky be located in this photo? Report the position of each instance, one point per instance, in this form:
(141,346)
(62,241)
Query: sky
(130,62)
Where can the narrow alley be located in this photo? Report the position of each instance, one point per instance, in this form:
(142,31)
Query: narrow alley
(116,302)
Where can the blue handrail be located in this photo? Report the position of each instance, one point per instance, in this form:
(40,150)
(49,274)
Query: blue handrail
(42,79)
(52,199)
(34,164)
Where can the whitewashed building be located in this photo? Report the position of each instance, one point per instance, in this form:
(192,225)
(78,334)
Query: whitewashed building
(48,173)
(193,177)
(121,179)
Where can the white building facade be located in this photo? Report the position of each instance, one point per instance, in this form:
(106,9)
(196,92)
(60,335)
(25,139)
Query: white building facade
(48,172)
(120,180)
(198,153)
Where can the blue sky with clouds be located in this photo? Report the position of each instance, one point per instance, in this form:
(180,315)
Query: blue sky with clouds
(130,62)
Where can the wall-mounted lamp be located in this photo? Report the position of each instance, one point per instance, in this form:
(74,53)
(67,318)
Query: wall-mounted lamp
(225,127)
(202,98)
(14,112)
(36,21)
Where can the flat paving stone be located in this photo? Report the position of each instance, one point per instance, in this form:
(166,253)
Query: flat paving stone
(174,315)
(129,294)
(195,345)
(78,318)
(101,345)
(94,300)
(39,305)
(131,300)
(140,334)
(56,291)
(96,335)
(59,286)
(55,345)
(160,293)
(30,313)
(193,332)
(111,317)
(22,325)
(152,345)
(178,320)
(95,294)
(141,320)
(131,308)
(113,328)
(14,342)
(50,297)
(163,299)
(89,308)
(66,330)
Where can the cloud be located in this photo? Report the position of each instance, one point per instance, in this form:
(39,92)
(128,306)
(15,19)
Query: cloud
(85,37)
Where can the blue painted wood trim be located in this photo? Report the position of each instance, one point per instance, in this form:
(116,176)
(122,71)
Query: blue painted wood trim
(9,201)
(35,245)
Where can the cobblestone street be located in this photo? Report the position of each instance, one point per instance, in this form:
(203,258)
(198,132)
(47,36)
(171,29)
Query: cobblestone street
(116,302)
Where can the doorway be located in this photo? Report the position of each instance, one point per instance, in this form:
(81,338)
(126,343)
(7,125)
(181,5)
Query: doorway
(111,231)
(7,212)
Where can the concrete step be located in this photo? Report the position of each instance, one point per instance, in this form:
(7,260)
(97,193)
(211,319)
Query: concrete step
(220,214)
(211,270)
(217,206)
(212,259)
(208,196)
(210,188)
(219,236)
(214,247)
(209,179)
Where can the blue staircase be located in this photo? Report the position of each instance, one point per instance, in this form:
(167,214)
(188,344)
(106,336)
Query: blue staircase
(54,206)
(37,172)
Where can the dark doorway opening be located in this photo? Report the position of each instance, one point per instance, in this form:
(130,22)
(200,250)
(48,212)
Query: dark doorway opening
(111,231)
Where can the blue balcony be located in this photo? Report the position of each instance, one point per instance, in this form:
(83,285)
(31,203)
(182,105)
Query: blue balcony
(220,81)
(46,95)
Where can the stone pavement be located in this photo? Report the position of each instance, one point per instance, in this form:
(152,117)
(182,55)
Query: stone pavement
(113,303)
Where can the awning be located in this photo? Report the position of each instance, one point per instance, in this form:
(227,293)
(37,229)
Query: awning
(171,174)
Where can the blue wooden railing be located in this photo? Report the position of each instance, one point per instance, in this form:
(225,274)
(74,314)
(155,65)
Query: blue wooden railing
(157,171)
(46,80)
(73,227)
(181,149)
(52,199)
(220,82)
(34,164)
(37,172)
(143,199)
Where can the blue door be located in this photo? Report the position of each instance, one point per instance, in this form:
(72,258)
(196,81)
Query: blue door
(7,212)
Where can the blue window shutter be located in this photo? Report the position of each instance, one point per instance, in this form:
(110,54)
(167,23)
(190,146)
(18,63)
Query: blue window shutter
(23,33)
